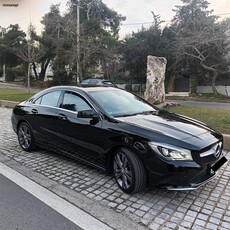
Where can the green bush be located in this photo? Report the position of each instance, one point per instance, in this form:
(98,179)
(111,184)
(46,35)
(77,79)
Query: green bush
(128,88)
(60,78)
(194,84)
(19,70)
(10,74)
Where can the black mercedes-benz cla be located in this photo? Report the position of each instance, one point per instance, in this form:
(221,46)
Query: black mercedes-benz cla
(119,132)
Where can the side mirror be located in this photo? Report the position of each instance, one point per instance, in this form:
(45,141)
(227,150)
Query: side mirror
(89,113)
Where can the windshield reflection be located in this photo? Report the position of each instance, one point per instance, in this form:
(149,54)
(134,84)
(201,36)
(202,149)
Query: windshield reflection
(120,103)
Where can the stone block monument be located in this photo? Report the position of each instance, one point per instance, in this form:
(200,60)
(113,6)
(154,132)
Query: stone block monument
(155,89)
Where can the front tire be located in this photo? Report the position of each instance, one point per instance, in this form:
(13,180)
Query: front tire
(25,137)
(129,171)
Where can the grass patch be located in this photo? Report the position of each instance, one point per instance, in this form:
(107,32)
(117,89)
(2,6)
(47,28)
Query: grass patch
(14,95)
(216,118)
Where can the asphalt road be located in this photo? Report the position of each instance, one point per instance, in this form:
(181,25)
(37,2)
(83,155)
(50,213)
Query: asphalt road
(212,105)
(26,205)
(22,211)
(17,87)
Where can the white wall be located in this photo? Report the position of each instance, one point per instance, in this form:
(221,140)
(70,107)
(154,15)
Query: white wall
(224,90)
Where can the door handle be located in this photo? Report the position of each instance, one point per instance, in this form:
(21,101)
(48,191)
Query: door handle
(62,117)
(34,111)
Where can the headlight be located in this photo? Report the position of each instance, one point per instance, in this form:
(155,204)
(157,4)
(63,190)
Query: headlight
(170,152)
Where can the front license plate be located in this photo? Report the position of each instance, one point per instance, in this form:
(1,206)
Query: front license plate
(219,163)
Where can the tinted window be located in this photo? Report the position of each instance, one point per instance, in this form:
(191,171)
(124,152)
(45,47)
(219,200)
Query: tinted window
(50,99)
(121,103)
(74,102)
(108,83)
(93,82)
(85,82)
(38,101)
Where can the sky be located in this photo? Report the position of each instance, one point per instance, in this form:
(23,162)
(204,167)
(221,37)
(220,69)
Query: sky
(137,12)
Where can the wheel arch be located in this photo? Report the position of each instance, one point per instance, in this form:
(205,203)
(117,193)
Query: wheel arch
(30,145)
(132,165)
(111,153)
(21,121)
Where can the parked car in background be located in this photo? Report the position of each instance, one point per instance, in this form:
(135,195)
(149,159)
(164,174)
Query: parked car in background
(119,132)
(97,82)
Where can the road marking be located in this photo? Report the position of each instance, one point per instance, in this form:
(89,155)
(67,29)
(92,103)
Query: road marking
(68,210)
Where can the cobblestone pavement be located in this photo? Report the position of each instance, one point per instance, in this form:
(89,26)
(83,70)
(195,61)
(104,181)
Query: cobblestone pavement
(205,208)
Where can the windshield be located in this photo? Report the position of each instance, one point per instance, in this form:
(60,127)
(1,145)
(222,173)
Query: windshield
(121,103)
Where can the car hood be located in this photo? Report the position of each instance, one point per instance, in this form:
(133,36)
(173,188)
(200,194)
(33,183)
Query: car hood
(169,127)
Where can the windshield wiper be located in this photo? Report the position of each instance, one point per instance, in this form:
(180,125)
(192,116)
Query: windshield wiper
(148,112)
(139,113)
(127,115)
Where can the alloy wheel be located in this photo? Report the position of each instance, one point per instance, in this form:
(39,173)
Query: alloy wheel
(122,170)
(24,136)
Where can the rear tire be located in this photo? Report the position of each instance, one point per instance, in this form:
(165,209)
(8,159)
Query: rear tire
(129,171)
(25,137)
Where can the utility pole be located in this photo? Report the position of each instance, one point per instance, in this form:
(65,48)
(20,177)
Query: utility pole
(29,47)
(4,65)
(78,43)
(28,70)
(4,72)
(77,77)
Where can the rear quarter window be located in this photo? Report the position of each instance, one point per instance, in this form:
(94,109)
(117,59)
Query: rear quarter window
(49,99)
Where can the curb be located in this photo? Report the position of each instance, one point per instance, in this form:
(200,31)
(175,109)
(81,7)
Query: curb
(8,104)
(11,104)
(226,141)
(97,210)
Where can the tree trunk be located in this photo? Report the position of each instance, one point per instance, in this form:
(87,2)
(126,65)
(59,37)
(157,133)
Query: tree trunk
(172,77)
(214,77)
(44,67)
(193,82)
(35,71)
(25,67)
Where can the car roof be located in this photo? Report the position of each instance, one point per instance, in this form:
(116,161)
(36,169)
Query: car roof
(95,81)
(88,89)
(72,88)
(98,79)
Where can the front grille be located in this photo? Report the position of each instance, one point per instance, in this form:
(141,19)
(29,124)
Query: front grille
(215,150)
(218,149)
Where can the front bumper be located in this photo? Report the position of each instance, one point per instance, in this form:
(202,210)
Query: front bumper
(196,185)
(184,177)
(193,186)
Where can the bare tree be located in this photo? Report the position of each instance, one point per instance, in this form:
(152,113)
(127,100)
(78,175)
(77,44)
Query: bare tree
(207,46)
(24,49)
